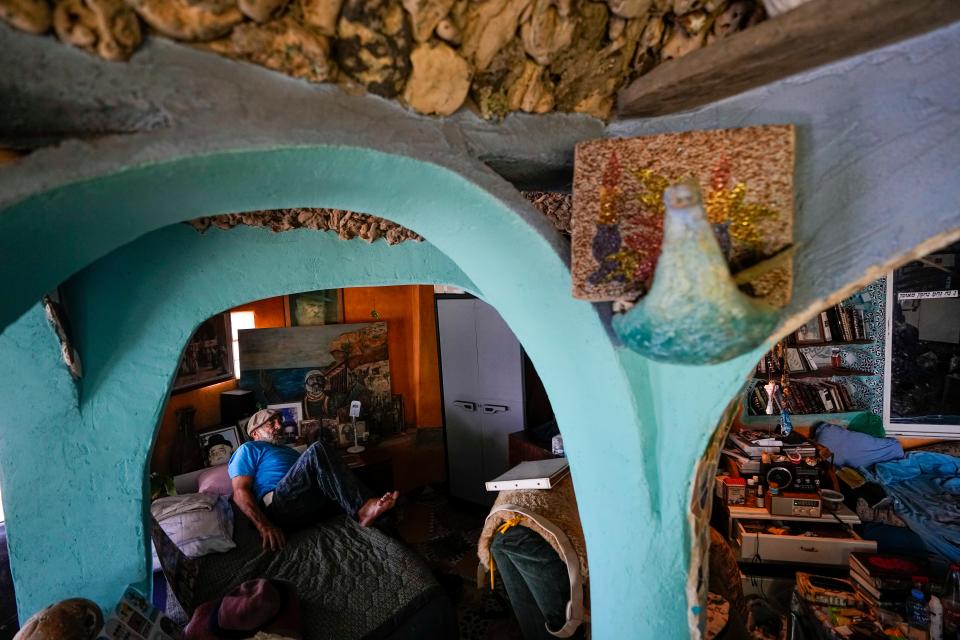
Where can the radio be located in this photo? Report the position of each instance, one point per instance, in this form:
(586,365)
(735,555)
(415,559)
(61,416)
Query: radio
(795,476)
(795,504)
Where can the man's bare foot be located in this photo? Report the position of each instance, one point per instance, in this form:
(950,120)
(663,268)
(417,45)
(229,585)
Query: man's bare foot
(376,507)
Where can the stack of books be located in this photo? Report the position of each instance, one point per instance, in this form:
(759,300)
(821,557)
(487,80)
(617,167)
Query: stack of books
(821,396)
(843,324)
(884,581)
(746,448)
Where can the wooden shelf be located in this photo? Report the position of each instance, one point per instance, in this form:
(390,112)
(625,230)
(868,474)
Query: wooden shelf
(831,343)
(814,34)
(803,419)
(824,372)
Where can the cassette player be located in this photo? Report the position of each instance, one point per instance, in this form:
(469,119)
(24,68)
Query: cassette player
(806,505)
(793,476)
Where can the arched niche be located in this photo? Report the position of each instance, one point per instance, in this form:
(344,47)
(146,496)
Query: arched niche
(632,428)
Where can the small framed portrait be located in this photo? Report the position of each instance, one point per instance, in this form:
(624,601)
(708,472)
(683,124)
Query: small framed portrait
(810,332)
(218,445)
(330,431)
(310,430)
(292,416)
(346,435)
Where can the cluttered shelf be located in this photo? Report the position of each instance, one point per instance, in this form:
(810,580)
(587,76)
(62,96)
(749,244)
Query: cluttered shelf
(825,372)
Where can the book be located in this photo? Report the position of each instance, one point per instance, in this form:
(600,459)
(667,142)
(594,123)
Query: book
(872,594)
(134,618)
(887,571)
(532,474)
(825,323)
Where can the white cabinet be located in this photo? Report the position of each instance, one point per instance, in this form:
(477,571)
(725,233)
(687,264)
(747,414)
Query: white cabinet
(481,366)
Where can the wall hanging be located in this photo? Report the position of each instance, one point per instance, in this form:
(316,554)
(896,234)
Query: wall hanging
(701,272)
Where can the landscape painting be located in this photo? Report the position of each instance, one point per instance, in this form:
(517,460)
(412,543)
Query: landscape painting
(324,367)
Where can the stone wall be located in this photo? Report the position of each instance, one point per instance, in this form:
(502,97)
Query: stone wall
(433,55)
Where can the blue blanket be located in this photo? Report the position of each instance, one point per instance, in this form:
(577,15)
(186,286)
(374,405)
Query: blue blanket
(925,488)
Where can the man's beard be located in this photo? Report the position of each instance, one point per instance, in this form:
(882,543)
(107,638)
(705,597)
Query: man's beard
(273,438)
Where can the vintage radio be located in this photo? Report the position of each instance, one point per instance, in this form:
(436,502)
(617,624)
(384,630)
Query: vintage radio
(795,505)
(795,476)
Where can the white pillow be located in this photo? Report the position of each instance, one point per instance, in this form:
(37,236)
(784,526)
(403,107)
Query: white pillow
(198,523)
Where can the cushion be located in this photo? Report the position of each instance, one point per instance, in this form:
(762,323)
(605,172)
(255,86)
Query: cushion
(215,480)
(198,523)
(852,449)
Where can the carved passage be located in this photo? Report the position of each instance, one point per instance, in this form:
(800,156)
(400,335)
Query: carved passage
(435,56)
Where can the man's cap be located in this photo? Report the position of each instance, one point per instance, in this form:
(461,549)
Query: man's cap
(270,606)
(259,419)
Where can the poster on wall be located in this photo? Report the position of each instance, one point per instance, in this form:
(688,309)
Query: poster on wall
(312,308)
(208,357)
(323,367)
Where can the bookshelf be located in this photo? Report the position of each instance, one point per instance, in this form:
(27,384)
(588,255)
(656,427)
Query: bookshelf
(822,390)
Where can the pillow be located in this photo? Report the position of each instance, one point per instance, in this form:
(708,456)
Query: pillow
(198,523)
(215,480)
(852,449)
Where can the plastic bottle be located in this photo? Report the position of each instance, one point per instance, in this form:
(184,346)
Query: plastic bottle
(951,604)
(936,618)
(917,613)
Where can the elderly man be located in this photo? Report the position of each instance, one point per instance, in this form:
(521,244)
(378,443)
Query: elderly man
(278,488)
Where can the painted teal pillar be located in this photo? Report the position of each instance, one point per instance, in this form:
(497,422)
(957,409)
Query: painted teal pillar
(631,427)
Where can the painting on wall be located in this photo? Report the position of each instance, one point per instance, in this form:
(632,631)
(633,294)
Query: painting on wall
(208,357)
(324,368)
(745,176)
(312,308)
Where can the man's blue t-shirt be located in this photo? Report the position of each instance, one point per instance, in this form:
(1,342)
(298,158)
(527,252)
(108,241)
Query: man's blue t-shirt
(266,462)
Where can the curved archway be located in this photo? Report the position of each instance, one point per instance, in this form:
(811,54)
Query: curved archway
(631,482)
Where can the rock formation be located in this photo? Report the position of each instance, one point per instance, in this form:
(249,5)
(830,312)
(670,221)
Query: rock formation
(496,56)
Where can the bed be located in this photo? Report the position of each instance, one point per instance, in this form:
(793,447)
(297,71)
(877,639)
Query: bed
(353,582)
(911,500)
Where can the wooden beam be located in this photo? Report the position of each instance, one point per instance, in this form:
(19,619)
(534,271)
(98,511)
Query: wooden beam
(814,34)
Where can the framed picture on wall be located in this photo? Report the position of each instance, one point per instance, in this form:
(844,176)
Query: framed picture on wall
(208,356)
(312,308)
(219,444)
(811,331)
(292,416)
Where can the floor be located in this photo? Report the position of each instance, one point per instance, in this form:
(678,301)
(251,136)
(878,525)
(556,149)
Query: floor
(445,533)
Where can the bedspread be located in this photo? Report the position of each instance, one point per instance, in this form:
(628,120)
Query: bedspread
(925,488)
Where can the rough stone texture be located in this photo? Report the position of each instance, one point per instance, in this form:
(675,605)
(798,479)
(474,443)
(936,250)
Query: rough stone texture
(32,16)
(374,45)
(321,14)
(558,207)
(425,15)
(532,56)
(261,10)
(108,28)
(283,45)
(189,20)
(439,81)
(347,224)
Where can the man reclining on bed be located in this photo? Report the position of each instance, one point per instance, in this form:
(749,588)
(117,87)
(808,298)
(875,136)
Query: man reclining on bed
(278,488)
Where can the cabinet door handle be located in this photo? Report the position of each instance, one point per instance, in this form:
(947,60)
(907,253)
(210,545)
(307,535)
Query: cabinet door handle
(809,549)
(495,408)
(466,405)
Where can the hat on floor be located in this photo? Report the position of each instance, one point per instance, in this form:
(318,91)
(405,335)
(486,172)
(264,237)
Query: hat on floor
(260,605)
(259,419)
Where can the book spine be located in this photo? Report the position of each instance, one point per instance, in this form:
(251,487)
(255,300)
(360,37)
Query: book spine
(825,323)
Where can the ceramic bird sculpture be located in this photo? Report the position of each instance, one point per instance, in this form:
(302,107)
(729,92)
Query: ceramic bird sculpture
(693,313)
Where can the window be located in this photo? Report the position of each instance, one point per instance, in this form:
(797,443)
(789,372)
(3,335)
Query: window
(922,365)
(240,320)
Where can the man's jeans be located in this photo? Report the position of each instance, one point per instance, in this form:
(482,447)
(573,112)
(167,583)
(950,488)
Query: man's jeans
(318,485)
(536,580)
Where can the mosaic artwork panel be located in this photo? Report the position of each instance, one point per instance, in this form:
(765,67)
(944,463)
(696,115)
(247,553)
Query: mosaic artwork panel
(746,176)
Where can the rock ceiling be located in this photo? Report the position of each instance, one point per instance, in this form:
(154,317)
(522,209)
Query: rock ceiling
(497,56)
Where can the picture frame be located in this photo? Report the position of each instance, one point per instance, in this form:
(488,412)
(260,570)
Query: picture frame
(219,444)
(207,357)
(292,417)
(313,308)
(811,332)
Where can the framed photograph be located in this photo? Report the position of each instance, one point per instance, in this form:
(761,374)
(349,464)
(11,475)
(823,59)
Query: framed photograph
(219,444)
(810,332)
(330,431)
(313,308)
(346,435)
(208,356)
(292,416)
(310,430)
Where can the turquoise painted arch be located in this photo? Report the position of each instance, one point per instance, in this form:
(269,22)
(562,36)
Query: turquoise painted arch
(633,429)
